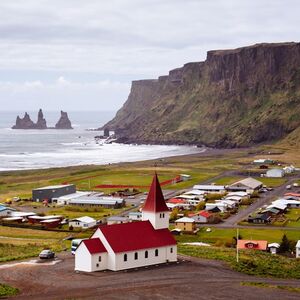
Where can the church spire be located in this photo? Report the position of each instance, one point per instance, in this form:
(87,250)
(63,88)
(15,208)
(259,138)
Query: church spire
(155,201)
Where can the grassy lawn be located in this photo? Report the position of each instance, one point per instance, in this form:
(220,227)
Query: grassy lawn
(250,261)
(6,290)
(227,180)
(271,182)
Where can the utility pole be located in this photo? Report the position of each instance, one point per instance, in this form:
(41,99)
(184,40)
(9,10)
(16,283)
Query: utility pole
(237,248)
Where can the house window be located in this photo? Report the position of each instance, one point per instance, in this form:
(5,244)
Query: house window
(163,215)
(99,259)
(125,257)
(135,255)
(156,252)
(171,250)
(146,254)
(97,265)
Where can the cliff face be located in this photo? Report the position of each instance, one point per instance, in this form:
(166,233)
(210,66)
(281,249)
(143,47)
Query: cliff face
(235,98)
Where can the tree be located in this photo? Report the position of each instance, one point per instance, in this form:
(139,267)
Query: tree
(284,245)
(200,205)
(174,214)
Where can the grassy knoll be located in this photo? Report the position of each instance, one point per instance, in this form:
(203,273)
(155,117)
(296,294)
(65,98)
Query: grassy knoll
(250,261)
(6,290)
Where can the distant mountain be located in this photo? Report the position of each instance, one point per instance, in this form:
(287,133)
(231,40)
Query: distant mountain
(234,98)
(27,123)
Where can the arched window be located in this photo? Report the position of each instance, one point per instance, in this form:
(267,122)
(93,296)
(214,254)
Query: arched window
(125,257)
(146,254)
(156,252)
(135,255)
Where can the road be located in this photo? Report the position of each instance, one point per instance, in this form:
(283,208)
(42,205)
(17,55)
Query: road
(190,278)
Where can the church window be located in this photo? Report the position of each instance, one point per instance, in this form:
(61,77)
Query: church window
(146,254)
(156,252)
(125,257)
(135,255)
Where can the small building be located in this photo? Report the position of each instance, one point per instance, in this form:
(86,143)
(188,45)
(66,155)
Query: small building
(135,215)
(96,201)
(185,177)
(6,211)
(273,248)
(202,216)
(262,218)
(83,222)
(263,161)
(248,185)
(210,188)
(276,173)
(298,249)
(64,200)
(186,224)
(117,220)
(52,191)
(252,244)
(221,206)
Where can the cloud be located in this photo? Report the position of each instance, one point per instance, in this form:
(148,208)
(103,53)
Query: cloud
(122,40)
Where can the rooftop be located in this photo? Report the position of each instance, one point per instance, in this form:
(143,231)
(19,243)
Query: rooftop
(135,236)
(51,187)
(94,245)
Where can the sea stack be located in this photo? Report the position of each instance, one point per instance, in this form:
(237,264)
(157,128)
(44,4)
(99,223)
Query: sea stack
(24,123)
(64,121)
(41,122)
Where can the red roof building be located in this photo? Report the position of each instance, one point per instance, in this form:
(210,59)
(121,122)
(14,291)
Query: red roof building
(251,244)
(176,201)
(155,201)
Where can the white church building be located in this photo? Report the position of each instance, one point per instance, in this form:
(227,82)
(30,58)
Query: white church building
(131,245)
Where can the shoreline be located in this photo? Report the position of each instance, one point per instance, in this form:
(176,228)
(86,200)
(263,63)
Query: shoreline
(207,152)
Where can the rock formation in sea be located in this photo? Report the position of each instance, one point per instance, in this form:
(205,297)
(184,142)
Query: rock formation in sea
(64,121)
(41,122)
(234,98)
(24,123)
(27,123)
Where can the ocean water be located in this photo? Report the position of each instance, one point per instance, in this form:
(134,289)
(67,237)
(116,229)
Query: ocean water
(34,149)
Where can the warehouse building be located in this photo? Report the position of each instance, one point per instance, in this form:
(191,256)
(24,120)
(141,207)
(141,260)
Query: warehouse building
(52,191)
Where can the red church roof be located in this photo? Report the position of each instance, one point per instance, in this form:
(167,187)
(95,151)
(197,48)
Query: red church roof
(155,201)
(135,236)
(94,245)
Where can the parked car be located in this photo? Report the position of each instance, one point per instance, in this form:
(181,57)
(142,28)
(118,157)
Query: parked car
(47,254)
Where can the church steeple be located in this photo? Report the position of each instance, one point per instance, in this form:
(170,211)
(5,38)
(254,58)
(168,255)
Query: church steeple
(155,209)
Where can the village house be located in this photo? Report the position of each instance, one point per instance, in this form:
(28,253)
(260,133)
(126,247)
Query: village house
(298,249)
(6,211)
(117,220)
(135,216)
(83,222)
(252,244)
(248,185)
(273,248)
(260,218)
(276,173)
(202,216)
(186,224)
(131,245)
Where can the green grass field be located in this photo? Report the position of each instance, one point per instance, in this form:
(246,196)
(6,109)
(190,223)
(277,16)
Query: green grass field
(271,182)
(227,180)
(251,262)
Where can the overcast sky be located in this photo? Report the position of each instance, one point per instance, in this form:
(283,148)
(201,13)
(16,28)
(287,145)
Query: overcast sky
(83,55)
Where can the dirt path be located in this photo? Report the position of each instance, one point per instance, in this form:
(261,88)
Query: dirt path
(191,278)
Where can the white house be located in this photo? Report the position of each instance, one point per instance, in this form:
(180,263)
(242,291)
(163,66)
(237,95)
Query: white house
(221,206)
(131,245)
(275,173)
(298,249)
(135,215)
(6,211)
(248,185)
(117,220)
(273,248)
(83,222)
